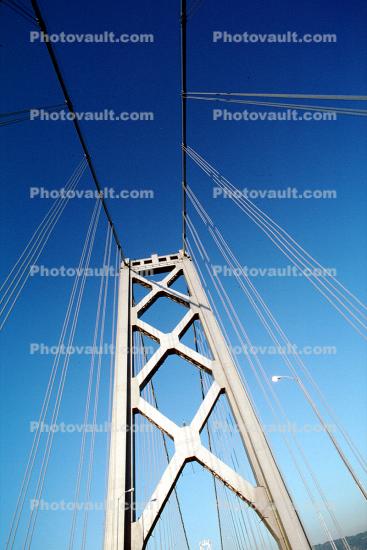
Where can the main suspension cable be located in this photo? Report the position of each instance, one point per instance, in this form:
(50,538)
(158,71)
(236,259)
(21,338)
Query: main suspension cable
(56,66)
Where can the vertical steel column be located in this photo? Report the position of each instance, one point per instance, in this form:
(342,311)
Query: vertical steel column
(120,490)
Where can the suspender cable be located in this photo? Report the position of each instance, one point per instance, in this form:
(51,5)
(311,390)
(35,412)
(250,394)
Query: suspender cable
(338,110)
(240,331)
(56,66)
(194,8)
(294,252)
(49,391)
(154,396)
(286,96)
(184,116)
(6,116)
(214,232)
(20,10)
(198,350)
(38,243)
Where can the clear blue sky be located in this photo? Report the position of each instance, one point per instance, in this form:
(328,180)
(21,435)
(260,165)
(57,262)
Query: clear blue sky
(146,155)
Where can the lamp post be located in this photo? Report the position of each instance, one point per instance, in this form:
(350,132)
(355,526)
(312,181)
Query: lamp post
(277,378)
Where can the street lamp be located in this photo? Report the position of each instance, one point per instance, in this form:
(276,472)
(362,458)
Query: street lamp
(277,377)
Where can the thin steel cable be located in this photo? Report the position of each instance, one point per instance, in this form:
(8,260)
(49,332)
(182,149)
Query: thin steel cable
(318,288)
(13,121)
(25,111)
(347,437)
(203,280)
(104,284)
(155,402)
(232,315)
(286,96)
(295,374)
(68,185)
(283,335)
(35,251)
(264,226)
(30,530)
(45,404)
(318,108)
(42,236)
(194,8)
(23,4)
(20,7)
(209,441)
(210,170)
(19,11)
(190,228)
(228,453)
(87,408)
(48,448)
(285,236)
(69,103)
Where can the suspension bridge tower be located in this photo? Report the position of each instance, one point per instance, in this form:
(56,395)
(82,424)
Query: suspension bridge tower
(269,497)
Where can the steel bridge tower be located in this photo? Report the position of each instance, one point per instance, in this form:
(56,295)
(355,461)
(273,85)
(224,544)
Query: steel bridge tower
(269,497)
